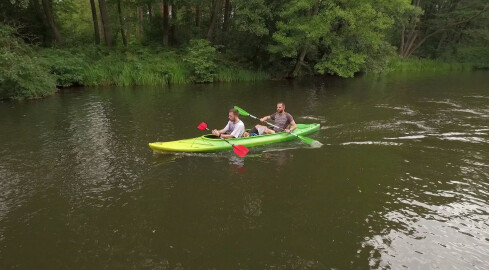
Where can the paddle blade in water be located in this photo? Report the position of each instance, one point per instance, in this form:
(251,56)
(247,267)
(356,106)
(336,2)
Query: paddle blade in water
(316,144)
(240,150)
(241,111)
(310,141)
(202,126)
(306,140)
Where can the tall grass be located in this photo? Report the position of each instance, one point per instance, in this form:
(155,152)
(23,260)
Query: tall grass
(398,64)
(98,67)
(125,70)
(233,74)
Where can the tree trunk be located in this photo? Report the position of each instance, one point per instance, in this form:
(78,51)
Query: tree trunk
(121,23)
(197,16)
(165,23)
(213,23)
(139,27)
(150,13)
(401,47)
(105,22)
(46,32)
(440,42)
(298,64)
(407,49)
(95,22)
(173,27)
(50,18)
(227,16)
(300,59)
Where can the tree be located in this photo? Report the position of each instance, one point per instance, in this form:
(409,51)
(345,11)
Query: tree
(247,36)
(342,36)
(216,11)
(104,15)
(121,23)
(166,25)
(227,16)
(174,22)
(50,19)
(434,17)
(95,22)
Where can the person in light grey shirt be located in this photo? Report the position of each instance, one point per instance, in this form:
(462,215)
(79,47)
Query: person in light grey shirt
(283,120)
(234,129)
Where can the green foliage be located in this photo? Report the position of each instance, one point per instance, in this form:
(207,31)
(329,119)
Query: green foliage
(341,37)
(66,66)
(398,64)
(200,58)
(251,16)
(478,56)
(21,75)
(435,27)
(230,74)
(142,67)
(341,62)
(249,40)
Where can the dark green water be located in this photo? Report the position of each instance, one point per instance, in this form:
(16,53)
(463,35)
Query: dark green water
(401,181)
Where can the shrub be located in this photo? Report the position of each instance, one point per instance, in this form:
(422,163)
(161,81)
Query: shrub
(200,58)
(399,64)
(477,56)
(21,75)
(67,67)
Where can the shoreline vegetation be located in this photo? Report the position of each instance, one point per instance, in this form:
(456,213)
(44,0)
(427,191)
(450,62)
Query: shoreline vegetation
(46,45)
(44,71)
(63,68)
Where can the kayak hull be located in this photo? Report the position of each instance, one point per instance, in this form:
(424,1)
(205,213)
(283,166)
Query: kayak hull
(209,143)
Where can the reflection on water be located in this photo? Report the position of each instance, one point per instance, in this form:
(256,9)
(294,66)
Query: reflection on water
(402,179)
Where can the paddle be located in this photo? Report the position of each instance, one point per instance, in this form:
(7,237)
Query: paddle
(302,138)
(239,150)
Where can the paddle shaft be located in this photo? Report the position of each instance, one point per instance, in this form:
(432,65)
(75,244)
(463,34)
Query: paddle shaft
(223,139)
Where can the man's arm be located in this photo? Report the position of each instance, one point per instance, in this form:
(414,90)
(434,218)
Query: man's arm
(292,126)
(226,136)
(265,118)
(219,133)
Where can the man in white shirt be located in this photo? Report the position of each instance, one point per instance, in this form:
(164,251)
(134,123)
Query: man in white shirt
(234,129)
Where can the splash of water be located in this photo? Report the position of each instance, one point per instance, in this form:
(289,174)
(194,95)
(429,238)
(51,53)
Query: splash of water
(316,144)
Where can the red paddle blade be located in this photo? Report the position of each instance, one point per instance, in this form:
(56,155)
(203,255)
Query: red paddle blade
(240,150)
(202,126)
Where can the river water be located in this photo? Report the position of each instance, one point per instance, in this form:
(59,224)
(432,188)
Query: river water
(402,180)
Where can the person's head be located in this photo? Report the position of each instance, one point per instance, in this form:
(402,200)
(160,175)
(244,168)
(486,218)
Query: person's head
(233,115)
(280,107)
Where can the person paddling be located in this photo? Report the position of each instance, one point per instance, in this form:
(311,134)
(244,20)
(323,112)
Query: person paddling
(234,129)
(283,120)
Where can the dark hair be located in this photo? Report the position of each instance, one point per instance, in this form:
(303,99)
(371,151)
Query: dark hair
(234,111)
(281,103)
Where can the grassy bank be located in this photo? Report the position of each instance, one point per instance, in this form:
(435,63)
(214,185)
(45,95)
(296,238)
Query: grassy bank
(398,64)
(96,66)
(28,72)
(100,67)
(31,72)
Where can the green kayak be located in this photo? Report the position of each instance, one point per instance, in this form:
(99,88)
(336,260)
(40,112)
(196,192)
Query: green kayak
(210,143)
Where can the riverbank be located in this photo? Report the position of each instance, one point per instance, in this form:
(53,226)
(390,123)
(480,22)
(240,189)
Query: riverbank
(42,72)
(398,64)
(30,72)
